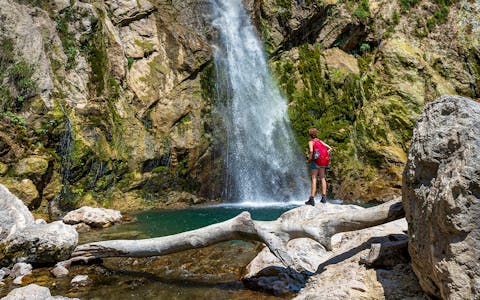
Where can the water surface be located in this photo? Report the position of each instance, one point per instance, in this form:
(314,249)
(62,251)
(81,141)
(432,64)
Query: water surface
(155,223)
(213,272)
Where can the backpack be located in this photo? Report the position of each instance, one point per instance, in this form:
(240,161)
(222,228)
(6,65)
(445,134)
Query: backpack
(320,154)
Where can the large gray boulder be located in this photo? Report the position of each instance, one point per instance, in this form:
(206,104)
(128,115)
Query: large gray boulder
(24,240)
(14,215)
(441,196)
(42,243)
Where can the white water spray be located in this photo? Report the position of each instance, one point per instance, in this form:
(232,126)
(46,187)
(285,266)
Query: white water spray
(262,158)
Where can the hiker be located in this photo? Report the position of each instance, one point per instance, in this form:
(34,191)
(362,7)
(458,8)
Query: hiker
(319,158)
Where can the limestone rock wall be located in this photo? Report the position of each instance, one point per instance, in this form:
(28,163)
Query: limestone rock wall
(111,105)
(361,71)
(441,196)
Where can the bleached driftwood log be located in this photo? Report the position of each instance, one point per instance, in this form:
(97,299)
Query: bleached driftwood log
(297,223)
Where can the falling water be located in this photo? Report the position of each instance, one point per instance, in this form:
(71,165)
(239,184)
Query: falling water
(65,151)
(262,158)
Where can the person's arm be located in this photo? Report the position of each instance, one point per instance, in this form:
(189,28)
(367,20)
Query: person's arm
(310,150)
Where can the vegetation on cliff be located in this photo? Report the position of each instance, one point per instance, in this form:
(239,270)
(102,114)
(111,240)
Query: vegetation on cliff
(118,100)
(361,74)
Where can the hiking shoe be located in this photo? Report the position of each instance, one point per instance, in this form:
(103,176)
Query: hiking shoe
(310,201)
(324,199)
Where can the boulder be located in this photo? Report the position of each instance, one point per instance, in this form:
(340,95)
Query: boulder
(42,243)
(24,240)
(14,215)
(80,280)
(441,197)
(59,271)
(32,291)
(20,269)
(31,166)
(92,216)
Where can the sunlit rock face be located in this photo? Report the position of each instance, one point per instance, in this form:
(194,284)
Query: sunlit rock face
(115,90)
(118,97)
(407,55)
(441,196)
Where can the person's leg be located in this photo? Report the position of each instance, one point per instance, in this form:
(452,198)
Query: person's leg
(314,182)
(321,173)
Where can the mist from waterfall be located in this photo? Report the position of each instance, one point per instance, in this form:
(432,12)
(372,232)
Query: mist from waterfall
(262,158)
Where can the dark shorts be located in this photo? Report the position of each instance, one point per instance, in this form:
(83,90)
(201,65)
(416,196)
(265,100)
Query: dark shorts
(314,166)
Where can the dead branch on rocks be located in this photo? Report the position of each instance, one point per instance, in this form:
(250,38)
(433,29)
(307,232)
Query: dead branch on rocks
(302,222)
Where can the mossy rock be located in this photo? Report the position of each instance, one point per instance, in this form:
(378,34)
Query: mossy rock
(31,166)
(3,169)
(24,189)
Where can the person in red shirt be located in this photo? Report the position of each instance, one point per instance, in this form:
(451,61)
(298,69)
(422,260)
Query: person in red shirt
(316,169)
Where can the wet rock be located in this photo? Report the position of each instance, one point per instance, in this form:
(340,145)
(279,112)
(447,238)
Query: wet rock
(80,280)
(441,196)
(94,217)
(20,269)
(82,227)
(59,271)
(53,188)
(33,291)
(4,272)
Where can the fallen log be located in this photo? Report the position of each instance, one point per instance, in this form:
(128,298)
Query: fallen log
(302,222)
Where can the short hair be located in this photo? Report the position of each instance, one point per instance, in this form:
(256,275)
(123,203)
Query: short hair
(313,132)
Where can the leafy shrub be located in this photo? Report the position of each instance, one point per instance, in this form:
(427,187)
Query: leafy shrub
(362,11)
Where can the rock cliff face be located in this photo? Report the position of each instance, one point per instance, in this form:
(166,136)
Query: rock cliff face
(110,102)
(442,199)
(361,71)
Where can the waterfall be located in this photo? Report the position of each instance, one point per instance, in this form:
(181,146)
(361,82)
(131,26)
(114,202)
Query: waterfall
(65,151)
(262,158)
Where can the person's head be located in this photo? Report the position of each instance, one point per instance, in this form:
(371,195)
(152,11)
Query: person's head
(313,132)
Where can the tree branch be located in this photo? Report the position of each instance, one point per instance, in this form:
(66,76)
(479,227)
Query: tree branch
(305,221)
